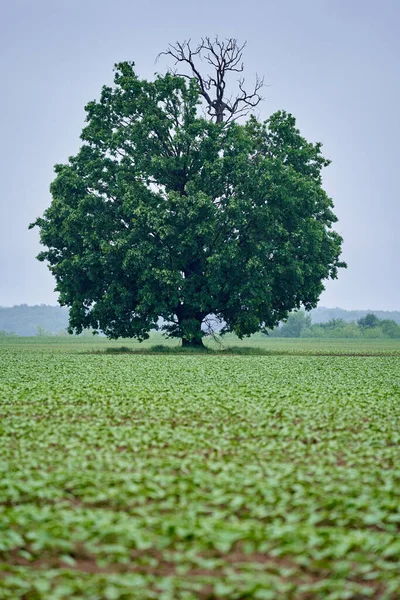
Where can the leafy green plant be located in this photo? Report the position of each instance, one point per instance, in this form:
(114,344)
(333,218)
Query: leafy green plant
(179,477)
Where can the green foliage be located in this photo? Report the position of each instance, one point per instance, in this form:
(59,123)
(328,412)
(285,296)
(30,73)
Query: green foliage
(336,328)
(299,324)
(6,334)
(369,321)
(165,214)
(389,328)
(41,331)
(183,477)
(321,314)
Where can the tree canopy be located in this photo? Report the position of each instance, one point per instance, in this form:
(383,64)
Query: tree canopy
(167,213)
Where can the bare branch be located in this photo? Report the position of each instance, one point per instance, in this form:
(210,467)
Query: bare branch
(225,57)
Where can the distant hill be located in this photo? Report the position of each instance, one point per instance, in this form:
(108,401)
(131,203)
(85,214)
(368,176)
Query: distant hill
(30,320)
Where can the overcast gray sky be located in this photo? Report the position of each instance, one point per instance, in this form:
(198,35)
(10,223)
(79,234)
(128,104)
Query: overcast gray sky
(333,63)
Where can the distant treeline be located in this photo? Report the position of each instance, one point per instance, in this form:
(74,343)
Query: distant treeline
(45,320)
(299,324)
(323,314)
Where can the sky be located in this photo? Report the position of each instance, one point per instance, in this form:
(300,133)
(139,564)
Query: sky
(332,63)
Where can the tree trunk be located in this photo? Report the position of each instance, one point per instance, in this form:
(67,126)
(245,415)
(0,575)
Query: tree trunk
(192,335)
(193,343)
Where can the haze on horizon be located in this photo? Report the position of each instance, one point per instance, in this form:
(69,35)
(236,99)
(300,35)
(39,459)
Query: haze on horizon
(334,65)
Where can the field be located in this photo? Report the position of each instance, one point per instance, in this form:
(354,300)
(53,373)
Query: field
(127,476)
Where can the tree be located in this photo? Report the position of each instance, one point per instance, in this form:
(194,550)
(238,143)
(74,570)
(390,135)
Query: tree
(165,213)
(333,324)
(369,321)
(389,328)
(297,324)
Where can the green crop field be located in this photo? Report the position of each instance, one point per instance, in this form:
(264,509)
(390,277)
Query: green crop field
(165,476)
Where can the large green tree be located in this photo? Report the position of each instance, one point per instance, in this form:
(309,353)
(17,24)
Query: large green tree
(167,213)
